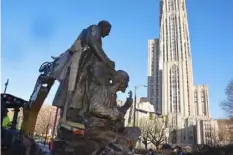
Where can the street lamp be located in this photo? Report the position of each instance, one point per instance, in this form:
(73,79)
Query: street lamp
(135,98)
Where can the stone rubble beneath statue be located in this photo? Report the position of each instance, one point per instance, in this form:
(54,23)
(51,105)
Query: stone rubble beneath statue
(91,123)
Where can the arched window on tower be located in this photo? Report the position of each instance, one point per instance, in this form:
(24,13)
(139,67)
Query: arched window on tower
(196,102)
(203,102)
(174,90)
(183,6)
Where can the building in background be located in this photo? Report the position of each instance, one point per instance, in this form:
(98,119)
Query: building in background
(144,109)
(146,118)
(154,80)
(170,78)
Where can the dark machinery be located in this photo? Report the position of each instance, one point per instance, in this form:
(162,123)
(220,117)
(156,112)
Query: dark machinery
(11,134)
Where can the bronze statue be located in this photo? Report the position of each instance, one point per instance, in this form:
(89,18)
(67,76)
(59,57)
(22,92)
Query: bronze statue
(90,39)
(85,54)
(105,123)
(104,128)
(87,97)
(103,107)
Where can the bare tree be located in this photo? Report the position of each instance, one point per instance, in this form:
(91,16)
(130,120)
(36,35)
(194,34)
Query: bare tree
(221,134)
(227,104)
(225,131)
(45,119)
(146,127)
(157,132)
(214,137)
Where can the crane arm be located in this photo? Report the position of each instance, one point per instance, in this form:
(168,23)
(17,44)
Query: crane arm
(43,85)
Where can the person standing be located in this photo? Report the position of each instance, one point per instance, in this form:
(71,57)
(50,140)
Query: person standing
(6,120)
(150,152)
(166,149)
(4,134)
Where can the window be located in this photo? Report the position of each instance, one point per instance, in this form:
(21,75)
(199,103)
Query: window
(191,137)
(202,99)
(202,94)
(190,123)
(174,85)
(152,80)
(203,109)
(195,94)
(152,92)
(174,122)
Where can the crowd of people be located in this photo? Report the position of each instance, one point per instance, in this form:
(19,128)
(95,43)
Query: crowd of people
(168,150)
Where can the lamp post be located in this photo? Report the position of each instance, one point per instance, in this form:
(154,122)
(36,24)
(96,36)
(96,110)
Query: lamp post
(135,102)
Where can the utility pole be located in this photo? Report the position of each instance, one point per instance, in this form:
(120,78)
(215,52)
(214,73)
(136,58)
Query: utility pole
(135,102)
(6,85)
(134,108)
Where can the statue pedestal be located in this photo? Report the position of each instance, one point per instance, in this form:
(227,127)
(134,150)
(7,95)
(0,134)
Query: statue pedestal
(80,147)
(109,142)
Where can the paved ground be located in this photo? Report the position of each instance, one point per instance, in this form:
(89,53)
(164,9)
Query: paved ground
(45,149)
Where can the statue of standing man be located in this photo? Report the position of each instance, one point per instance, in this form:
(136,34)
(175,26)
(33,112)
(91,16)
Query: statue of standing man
(73,68)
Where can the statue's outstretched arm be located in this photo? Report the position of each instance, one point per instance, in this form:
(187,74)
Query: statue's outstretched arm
(94,40)
(97,108)
(127,104)
(125,107)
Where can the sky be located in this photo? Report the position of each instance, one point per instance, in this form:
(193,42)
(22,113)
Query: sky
(33,31)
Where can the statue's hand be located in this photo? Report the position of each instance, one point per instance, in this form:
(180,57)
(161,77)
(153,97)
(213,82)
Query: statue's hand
(129,102)
(126,106)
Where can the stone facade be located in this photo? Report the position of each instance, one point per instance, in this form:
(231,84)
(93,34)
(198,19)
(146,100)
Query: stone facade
(170,78)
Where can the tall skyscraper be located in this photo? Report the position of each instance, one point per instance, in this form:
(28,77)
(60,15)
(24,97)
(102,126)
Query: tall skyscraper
(170,75)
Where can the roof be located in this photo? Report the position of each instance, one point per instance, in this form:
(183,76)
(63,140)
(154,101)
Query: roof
(11,101)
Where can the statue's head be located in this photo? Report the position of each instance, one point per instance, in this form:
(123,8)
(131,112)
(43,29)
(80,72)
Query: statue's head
(121,79)
(105,27)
